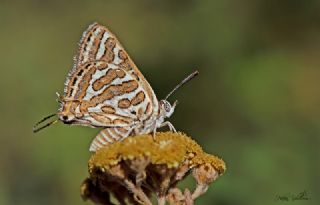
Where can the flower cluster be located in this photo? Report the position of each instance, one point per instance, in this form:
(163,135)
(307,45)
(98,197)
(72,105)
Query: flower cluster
(139,167)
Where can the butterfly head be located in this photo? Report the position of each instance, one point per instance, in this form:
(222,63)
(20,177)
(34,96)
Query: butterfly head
(166,109)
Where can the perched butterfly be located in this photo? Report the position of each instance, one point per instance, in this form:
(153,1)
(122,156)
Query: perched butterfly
(106,89)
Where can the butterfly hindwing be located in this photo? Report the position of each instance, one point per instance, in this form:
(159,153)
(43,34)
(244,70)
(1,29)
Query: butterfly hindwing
(109,95)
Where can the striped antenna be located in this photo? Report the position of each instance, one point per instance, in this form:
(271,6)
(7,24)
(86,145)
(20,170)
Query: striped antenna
(184,81)
(37,129)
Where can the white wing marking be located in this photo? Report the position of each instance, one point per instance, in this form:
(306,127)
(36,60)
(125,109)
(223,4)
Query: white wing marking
(90,43)
(102,48)
(116,50)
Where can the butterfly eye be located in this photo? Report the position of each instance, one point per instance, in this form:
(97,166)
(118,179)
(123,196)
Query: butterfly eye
(167,107)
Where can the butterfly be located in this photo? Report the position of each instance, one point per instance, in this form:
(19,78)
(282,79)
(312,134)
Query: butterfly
(105,89)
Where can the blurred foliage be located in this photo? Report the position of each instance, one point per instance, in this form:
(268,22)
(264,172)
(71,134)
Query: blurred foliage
(255,102)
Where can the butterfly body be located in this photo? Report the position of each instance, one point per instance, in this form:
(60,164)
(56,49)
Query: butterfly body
(105,89)
(120,119)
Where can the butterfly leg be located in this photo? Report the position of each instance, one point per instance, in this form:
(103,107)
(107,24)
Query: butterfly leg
(154,133)
(167,123)
(171,127)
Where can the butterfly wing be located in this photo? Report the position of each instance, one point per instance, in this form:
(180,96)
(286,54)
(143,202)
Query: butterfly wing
(109,89)
(108,96)
(100,44)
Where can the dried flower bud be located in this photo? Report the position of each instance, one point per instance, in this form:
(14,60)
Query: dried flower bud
(205,174)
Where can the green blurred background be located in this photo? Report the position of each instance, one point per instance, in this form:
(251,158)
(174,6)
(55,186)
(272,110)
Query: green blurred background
(256,102)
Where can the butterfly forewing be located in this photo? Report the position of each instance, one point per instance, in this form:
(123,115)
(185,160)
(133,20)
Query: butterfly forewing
(99,44)
(105,88)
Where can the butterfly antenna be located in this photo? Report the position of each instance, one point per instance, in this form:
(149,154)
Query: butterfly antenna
(184,81)
(35,129)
